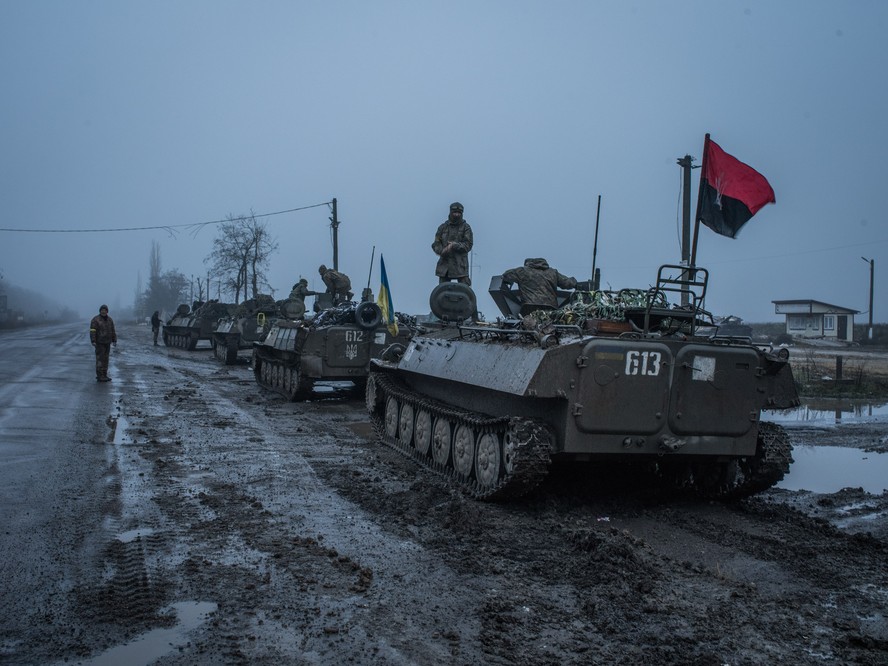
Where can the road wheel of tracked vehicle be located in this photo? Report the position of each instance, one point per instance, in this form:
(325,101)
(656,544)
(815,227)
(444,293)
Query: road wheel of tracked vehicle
(257,368)
(510,448)
(192,343)
(422,432)
(286,380)
(391,417)
(405,424)
(372,396)
(464,450)
(441,441)
(291,382)
(488,460)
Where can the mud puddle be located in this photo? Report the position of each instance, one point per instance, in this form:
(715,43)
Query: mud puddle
(828,469)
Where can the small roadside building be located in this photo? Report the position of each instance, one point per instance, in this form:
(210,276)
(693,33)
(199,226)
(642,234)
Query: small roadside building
(816,319)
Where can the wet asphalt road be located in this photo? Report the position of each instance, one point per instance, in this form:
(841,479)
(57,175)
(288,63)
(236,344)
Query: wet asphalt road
(52,416)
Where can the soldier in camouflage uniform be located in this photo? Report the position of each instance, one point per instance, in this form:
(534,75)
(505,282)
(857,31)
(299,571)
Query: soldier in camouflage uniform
(301,291)
(453,242)
(102,335)
(155,325)
(338,284)
(537,284)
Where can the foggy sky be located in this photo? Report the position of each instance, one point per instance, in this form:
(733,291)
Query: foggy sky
(134,114)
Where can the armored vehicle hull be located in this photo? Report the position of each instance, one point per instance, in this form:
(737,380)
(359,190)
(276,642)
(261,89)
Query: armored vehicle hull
(338,344)
(491,406)
(188,326)
(250,323)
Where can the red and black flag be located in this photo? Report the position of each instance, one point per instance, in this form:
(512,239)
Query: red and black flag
(731,192)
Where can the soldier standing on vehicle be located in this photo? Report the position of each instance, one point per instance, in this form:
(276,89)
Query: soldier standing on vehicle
(538,284)
(300,290)
(453,242)
(102,335)
(155,325)
(338,284)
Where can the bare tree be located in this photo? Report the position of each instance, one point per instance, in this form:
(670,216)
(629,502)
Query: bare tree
(165,291)
(154,261)
(240,255)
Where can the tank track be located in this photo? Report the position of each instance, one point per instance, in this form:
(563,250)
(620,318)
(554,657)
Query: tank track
(742,477)
(281,378)
(181,341)
(226,349)
(488,458)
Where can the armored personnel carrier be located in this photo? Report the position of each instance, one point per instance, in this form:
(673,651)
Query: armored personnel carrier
(190,325)
(609,378)
(336,344)
(249,322)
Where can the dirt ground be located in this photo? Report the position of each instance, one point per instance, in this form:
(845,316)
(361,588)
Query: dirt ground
(312,543)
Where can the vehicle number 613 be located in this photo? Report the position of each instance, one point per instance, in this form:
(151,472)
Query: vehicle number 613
(643,363)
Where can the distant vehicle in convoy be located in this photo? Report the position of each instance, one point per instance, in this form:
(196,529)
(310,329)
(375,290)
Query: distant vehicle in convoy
(609,378)
(246,323)
(190,325)
(335,344)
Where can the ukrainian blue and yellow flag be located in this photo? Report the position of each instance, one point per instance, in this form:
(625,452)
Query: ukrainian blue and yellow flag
(384,300)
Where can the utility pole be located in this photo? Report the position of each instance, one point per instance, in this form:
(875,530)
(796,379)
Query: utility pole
(334,222)
(686,163)
(872,263)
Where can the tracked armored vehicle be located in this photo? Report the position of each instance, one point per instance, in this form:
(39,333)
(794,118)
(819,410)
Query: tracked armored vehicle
(190,325)
(336,344)
(619,379)
(248,323)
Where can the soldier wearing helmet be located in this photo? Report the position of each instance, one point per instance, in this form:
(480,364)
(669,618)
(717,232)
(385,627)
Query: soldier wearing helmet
(453,242)
(338,284)
(300,290)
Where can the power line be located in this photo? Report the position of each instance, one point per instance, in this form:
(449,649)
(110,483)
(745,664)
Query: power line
(166,227)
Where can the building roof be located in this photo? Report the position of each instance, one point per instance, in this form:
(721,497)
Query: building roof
(820,306)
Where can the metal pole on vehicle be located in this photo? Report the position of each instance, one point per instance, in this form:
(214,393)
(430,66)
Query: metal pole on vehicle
(685,164)
(872,263)
(334,222)
(595,246)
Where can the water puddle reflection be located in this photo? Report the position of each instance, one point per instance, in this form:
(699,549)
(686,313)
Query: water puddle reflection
(828,469)
(154,644)
(830,410)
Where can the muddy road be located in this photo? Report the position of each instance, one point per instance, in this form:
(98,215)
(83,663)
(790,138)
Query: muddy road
(182,515)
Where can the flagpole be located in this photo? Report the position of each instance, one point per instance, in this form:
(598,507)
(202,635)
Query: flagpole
(699,200)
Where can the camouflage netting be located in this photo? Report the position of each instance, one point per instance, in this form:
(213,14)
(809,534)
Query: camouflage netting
(261,303)
(608,305)
(345,314)
(341,314)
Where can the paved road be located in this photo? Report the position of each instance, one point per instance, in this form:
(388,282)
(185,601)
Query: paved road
(55,471)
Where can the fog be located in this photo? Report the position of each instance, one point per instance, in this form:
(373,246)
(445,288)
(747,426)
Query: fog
(124,115)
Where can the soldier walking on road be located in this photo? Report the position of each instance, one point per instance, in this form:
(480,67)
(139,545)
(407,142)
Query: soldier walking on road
(453,242)
(338,284)
(538,284)
(102,335)
(155,325)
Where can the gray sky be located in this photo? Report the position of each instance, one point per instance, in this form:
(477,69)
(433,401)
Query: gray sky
(132,114)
